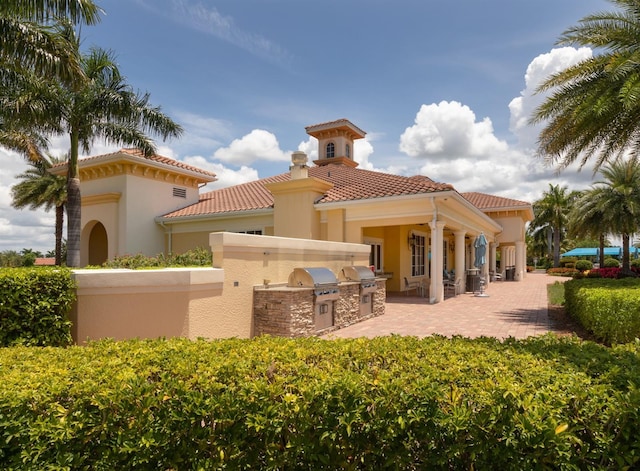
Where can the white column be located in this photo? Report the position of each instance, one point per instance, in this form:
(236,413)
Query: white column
(436,291)
(459,258)
(521,253)
(492,257)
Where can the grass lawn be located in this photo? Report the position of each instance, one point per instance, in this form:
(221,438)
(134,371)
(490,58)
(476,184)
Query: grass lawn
(555,293)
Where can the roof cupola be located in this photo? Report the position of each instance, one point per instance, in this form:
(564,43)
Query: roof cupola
(335,141)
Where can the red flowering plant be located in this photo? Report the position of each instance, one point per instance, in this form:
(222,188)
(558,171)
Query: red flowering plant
(610,272)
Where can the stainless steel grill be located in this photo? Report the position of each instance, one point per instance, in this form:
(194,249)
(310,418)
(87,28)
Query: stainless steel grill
(325,292)
(368,285)
(322,280)
(362,274)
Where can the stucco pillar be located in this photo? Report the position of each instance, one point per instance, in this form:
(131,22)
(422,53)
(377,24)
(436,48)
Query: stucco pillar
(492,257)
(436,290)
(521,254)
(459,257)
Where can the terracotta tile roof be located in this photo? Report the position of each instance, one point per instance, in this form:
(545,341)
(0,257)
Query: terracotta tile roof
(137,153)
(357,184)
(244,197)
(44,261)
(350,184)
(487,202)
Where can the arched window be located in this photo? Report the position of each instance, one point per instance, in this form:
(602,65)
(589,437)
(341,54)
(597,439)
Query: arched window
(348,151)
(331,150)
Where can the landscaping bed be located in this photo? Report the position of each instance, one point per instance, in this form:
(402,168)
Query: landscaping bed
(271,403)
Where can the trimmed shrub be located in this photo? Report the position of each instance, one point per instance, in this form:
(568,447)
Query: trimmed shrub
(584,265)
(34,306)
(609,308)
(273,404)
(197,257)
(562,271)
(635,263)
(568,262)
(611,263)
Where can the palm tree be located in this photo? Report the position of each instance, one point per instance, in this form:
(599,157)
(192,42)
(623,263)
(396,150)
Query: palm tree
(587,220)
(31,42)
(594,109)
(41,189)
(551,216)
(30,39)
(616,199)
(99,105)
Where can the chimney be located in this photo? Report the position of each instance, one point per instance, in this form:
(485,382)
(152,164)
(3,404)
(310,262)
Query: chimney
(299,169)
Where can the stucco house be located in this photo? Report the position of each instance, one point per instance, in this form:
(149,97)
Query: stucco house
(417,228)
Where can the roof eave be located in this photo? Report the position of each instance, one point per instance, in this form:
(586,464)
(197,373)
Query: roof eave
(164,220)
(114,157)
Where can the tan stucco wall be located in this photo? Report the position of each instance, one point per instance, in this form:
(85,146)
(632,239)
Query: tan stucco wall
(123,304)
(513,229)
(181,243)
(293,213)
(190,234)
(129,222)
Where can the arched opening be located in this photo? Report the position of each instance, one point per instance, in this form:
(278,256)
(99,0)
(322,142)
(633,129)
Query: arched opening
(98,245)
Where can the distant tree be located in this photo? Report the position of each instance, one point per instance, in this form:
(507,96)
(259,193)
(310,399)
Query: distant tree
(593,112)
(41,189)
(586,220)
(551,216)
(616,200)
(10,258)
(29,257)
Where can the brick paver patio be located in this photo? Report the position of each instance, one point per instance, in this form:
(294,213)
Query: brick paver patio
(512,309)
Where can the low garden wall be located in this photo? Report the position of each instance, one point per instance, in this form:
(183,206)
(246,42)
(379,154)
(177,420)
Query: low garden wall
(214,302)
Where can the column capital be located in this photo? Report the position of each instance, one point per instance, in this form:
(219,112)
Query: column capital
(438,225)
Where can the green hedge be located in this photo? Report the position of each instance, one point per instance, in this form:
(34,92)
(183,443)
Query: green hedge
(609,308)
(274,404)
(34,306)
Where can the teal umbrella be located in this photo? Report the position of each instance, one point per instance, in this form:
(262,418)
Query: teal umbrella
(480,245)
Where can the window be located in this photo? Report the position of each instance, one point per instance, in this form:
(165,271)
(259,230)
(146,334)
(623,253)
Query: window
(331,150)
(255,232)
(348,151)
(417,256)
(376,258)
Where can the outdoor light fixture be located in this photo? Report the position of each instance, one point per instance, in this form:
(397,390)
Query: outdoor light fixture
(412,239)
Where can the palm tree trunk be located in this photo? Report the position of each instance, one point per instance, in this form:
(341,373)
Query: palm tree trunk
(556,247)
(59,224)
(74,202)
(601,253)
(626,266)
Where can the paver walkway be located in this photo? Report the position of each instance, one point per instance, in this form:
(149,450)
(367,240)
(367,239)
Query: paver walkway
(512,309)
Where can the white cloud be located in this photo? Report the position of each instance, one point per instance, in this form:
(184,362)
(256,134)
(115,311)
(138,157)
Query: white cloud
(257,146)
(21,228)
(541,68)
(454,147)
(449,130)
(225,176)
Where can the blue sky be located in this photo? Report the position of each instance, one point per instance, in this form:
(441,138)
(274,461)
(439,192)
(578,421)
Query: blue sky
(442,89)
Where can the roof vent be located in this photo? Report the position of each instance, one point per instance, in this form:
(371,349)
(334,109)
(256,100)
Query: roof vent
(179,192)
